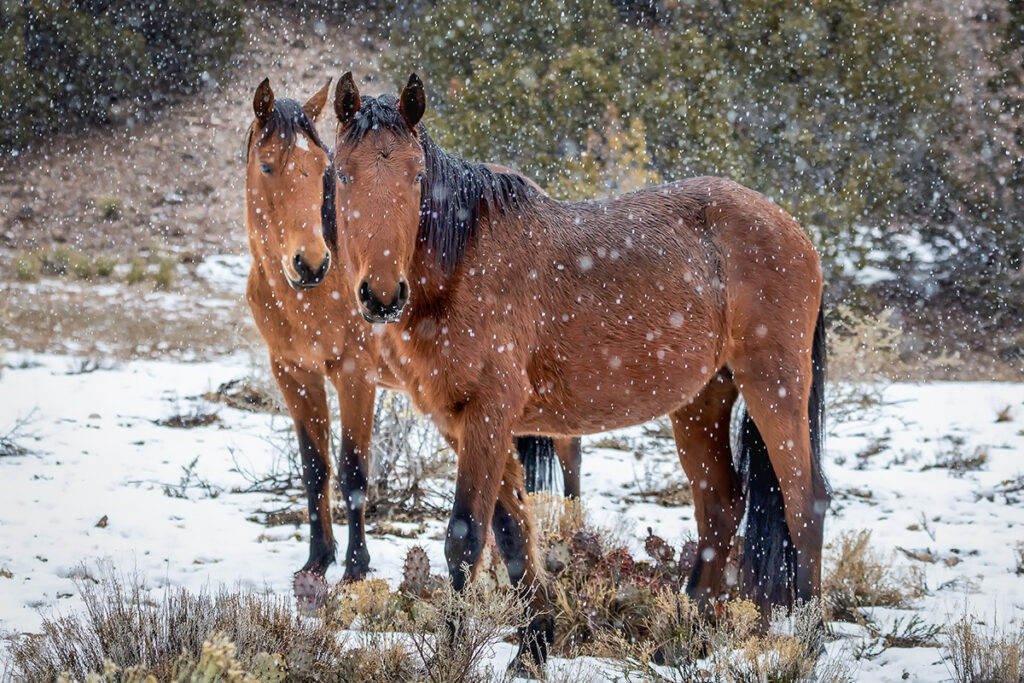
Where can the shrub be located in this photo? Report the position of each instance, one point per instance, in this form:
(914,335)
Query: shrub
(810,104)
(973,654)
(860,577)
(96,61)
(124,629)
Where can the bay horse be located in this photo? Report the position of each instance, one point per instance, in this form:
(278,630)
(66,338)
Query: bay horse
(509,312)
(315,335)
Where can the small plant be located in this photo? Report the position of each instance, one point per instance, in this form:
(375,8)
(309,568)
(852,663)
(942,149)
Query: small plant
(104,266)
(109,208)
(860,577)
(27,267)
(11,441)
(136,272)
(613,442)
(958,461)
(976,655)
(1019,554)
(1005,414)
(164,276)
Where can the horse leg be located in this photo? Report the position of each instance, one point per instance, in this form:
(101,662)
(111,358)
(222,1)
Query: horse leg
(776,379)
(306,400)
(570,455)
(514,530)
(356,400)
(485,448)
(701,430)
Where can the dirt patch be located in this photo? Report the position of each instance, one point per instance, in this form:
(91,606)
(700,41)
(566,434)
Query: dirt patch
(176,180)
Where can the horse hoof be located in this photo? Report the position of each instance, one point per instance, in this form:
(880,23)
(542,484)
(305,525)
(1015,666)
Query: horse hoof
(310,592)
(524,667)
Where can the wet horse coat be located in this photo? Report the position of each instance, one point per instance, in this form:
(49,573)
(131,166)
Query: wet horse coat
(511,312)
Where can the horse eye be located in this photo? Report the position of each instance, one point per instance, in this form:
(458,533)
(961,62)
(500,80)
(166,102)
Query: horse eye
(266,168)
(418,179)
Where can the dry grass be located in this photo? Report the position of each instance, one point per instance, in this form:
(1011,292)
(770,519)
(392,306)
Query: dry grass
(859,576)
(171,637)
(731,651)
(128,635)
(975,654)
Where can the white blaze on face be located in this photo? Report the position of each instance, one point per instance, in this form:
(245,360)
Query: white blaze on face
(302,142)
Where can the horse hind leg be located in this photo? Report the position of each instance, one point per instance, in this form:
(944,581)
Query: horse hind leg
(781,385)
(701,430)
(570,456)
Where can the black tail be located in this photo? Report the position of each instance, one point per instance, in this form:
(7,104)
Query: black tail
(540,465)
(768,565)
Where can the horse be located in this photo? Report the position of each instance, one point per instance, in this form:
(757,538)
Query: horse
(504,311)
(314,335)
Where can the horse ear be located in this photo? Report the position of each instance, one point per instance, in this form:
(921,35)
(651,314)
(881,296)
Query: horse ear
(316,103)
(413,102)
(263,102)
(346,100)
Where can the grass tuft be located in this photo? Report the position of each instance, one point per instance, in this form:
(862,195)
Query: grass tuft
(974,654)
(860,577)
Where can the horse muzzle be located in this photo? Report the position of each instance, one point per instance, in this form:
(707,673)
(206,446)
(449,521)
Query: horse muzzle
(307,278)
(376,311)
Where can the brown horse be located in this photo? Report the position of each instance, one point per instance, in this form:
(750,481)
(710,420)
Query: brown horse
(510,312)
(314,334)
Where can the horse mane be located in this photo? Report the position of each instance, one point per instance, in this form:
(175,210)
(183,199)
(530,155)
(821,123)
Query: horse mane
(453,191)
(288,120)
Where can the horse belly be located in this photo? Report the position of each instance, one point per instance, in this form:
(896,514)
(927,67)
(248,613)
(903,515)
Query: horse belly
(602,389)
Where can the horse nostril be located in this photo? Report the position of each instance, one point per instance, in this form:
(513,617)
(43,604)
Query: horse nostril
(324,265)
(365,296)
(403,294)
(298,261)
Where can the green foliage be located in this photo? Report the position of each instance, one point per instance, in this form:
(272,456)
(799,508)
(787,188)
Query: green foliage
(828,107)
(97,61)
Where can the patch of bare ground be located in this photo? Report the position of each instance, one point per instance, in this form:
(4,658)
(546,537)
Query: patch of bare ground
(167,188)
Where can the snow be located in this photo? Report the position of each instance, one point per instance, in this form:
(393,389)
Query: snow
(98,451)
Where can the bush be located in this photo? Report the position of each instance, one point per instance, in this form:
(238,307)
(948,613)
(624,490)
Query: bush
(870,122)
(123,629)
(96,61)
(860,577)
(828,108)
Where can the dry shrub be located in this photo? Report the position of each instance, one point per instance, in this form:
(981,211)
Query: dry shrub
(124,626)
(410,464)
(556,515)
(480,618)
(864,347)
(601,594)
(732,651)
(391,624)
(973,654)
(860,577)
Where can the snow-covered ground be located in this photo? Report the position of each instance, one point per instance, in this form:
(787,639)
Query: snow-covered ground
(166,501)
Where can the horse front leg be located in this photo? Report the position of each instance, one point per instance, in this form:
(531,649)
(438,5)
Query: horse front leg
(306,399)
(488,466)
(356,399)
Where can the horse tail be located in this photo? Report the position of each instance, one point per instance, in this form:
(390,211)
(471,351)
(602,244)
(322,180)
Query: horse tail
(537,453)
(768,563)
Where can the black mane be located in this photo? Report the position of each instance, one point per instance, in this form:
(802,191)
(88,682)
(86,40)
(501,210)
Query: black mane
(454,190)
(288,119)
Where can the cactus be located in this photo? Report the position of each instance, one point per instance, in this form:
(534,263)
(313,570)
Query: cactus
(587,544)
(415,571)
(660,551)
